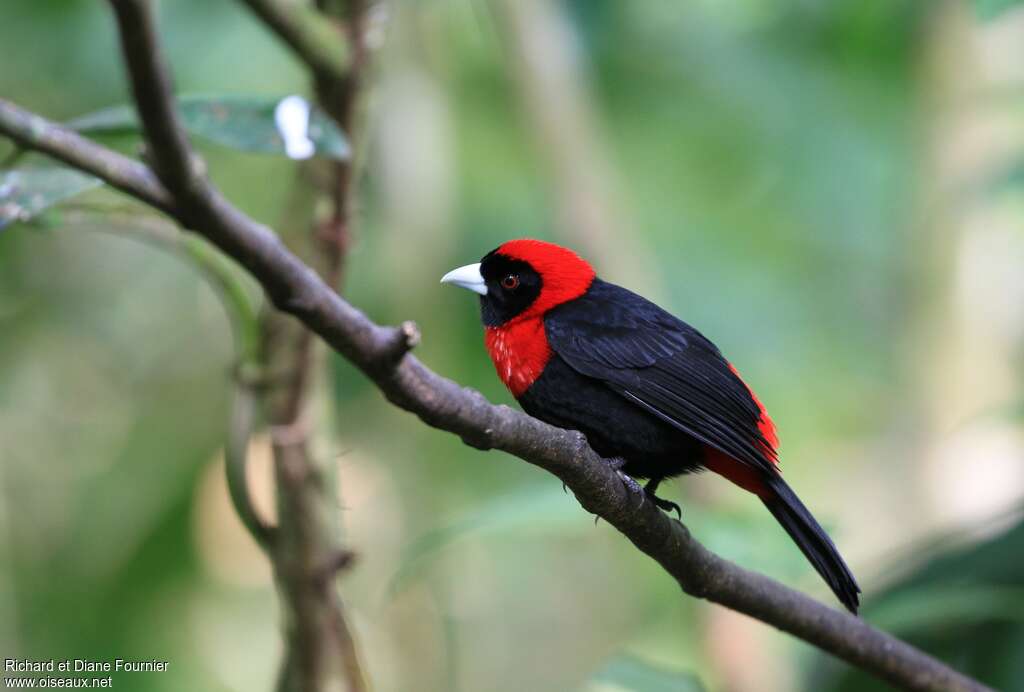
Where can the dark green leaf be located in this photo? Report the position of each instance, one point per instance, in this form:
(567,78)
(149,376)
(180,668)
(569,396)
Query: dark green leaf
(631,674)
(246,123)
(116,120)
(26,192)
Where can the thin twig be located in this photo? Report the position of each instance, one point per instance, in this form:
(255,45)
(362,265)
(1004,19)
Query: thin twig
(236,457)
(338,95)
(247,383)
(313,37)
(320,650)
(151,85)
(30,131)
(446,405)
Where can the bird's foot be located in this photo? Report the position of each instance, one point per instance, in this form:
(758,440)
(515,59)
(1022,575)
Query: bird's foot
(664,505)
(635,488)
(631,484)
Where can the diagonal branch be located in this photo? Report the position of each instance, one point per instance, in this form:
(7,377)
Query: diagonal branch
(151,84)
(311,36)
(30,131)
(381,353)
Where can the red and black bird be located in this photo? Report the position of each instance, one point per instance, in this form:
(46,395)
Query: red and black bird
(650,392)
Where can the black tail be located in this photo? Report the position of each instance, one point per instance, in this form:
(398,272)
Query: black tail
(813,542)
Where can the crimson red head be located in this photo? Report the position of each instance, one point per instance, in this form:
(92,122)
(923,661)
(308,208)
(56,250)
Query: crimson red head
(523,279)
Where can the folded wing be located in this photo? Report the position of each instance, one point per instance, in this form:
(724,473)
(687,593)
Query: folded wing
(663,365)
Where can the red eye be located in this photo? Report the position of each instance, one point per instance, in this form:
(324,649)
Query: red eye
(510,282)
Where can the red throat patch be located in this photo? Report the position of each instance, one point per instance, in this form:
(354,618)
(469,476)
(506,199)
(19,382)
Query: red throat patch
(520,352)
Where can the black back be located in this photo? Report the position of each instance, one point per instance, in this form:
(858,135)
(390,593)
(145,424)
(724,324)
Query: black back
(646,387)
(661,365)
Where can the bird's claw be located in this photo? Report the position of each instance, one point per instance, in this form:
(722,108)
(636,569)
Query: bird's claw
(665,505)
(651,490)
(628,481)
(645,493)
(631,484)
(617,464)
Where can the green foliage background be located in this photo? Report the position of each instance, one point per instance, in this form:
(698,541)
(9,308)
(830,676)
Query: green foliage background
(770,152)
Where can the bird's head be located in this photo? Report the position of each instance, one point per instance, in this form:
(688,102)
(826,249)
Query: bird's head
(523,279)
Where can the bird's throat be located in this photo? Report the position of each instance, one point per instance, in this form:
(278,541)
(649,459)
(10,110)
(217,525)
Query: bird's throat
(520,351)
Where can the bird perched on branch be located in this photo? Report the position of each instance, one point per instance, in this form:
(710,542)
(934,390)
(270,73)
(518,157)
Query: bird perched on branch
(651,393)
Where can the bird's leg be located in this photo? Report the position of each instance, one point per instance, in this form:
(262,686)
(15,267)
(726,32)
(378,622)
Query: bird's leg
(666,505)
(617,464)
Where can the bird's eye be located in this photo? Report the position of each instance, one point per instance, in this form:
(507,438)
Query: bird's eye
(510,282)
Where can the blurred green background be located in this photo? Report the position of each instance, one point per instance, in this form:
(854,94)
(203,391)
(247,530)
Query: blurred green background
(830,191)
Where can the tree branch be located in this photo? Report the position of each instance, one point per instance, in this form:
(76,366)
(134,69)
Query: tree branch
(320,651)
(380,352)
(30,131)
(311,35)
(319,640)
(169,149)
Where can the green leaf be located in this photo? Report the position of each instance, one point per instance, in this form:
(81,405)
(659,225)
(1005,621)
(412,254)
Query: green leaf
(990,9)
(246,123)
(26,192)
(631,674)
(116,120)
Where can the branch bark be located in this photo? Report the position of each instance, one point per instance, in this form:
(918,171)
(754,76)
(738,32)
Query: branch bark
(382,354)
(304,547)
(127,175)
(319,643)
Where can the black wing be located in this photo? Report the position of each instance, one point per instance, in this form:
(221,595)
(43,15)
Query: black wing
(661,364)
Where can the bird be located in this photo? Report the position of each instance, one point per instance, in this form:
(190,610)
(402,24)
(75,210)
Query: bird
(654,397)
